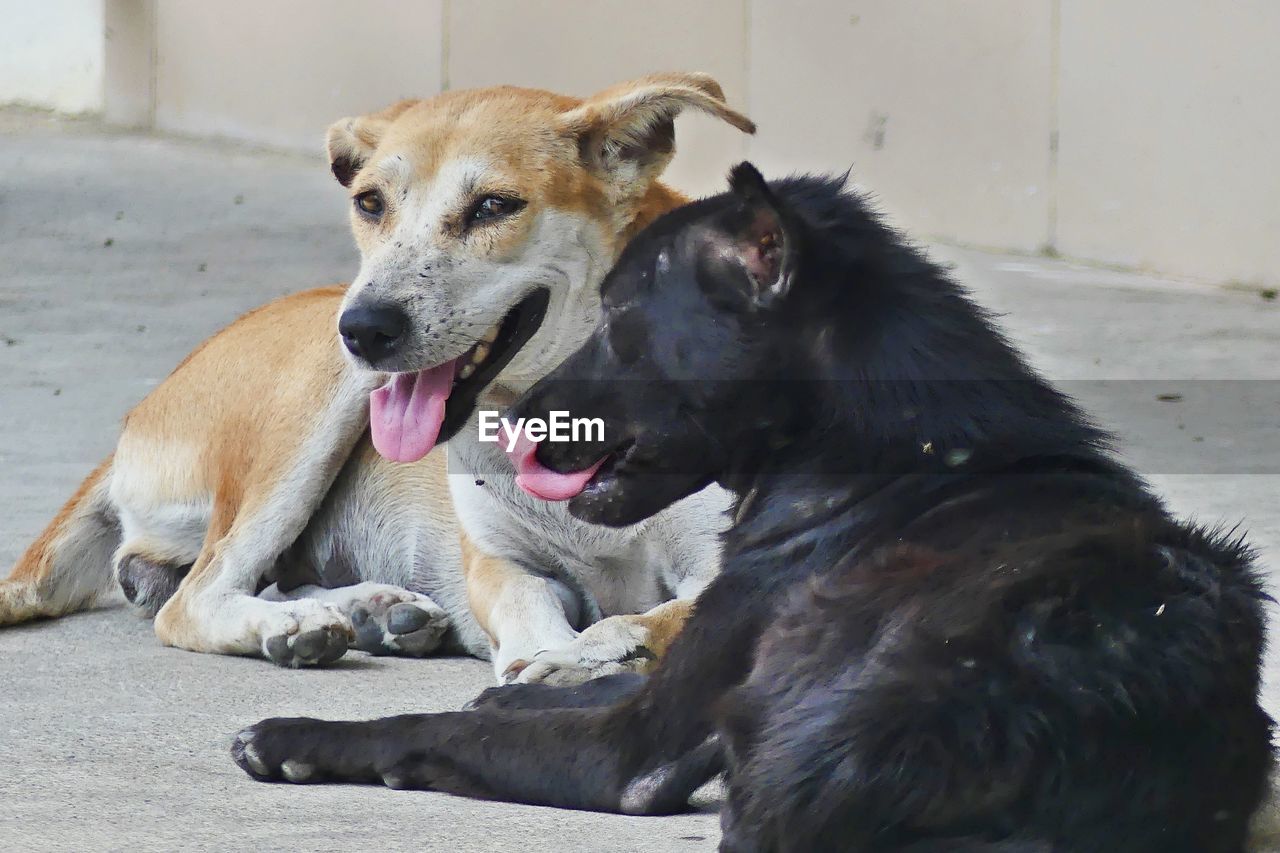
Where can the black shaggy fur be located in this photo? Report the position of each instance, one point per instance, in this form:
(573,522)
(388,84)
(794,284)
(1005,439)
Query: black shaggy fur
(949,619)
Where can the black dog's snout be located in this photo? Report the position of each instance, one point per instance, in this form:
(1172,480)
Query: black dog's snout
(372,333)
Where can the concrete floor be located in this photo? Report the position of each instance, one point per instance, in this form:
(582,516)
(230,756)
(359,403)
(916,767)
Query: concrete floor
(121,252)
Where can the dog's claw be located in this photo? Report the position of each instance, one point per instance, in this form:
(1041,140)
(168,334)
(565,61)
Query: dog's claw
(246,755)
(512,672)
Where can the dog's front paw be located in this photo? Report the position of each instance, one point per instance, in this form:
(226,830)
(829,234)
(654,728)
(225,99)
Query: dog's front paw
(613,645)
(394,621)
(281,750)
(303,751)
(306,633)
(395,752)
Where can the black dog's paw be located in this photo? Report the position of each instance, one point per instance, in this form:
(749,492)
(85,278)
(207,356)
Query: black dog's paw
(300,750)
(283,750)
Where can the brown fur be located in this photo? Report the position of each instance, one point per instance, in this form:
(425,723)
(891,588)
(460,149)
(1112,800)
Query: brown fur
(229,425)
(28,593)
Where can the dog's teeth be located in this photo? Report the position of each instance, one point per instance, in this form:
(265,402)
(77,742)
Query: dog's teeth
(480,354)
(491,335)
(466,371)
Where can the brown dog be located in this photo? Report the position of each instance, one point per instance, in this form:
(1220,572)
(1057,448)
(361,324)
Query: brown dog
(485,221)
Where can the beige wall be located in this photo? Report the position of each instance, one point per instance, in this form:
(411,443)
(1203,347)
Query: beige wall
(940,108)
(51,54)
(1170,130)
(280,72)
(304,63)
(1166,116)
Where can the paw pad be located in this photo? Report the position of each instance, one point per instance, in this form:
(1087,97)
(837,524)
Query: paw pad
(404,628)
(307,648)
(406,618)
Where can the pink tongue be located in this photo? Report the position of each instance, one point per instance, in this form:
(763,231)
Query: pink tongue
(405,414)
(540,481)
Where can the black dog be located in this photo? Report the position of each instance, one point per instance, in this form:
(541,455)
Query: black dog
(948,618)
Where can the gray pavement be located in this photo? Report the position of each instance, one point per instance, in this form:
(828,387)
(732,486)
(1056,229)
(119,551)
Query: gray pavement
(120,252)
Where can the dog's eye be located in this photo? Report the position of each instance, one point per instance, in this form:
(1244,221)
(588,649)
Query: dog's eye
(370,202)
(493,207)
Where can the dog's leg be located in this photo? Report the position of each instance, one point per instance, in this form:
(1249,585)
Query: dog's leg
(522,613)
(561,757)
(443,752)
(215,610)
(257,514)
(637,757)
(630,643)
(388,620)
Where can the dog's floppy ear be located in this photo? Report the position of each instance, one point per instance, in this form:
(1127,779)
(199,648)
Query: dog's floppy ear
(763,239)
(627,132)
(351,140)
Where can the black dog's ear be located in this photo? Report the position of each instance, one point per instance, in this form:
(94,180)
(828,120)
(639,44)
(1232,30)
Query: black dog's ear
(745,180)
(763,242)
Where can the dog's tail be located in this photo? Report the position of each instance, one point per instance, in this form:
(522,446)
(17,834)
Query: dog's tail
(69,566)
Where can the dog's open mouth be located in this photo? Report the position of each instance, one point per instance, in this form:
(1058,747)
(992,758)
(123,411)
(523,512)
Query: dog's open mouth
(415,411)
(541,482)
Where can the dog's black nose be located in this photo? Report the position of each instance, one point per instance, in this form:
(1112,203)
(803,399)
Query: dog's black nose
(372,333)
